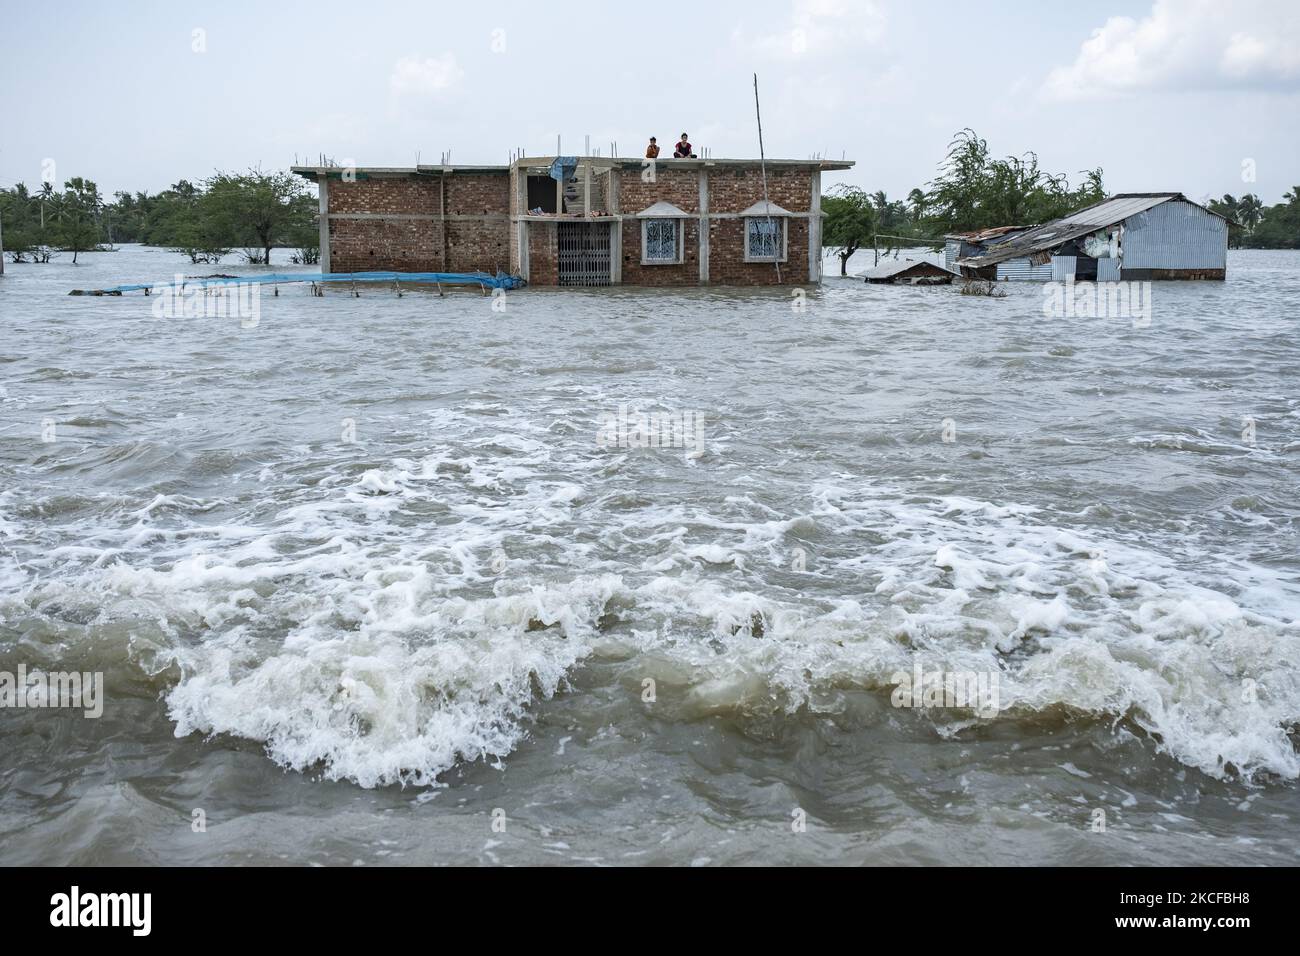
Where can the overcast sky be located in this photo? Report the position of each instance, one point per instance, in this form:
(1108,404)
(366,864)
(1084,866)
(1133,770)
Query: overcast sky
(1164,95)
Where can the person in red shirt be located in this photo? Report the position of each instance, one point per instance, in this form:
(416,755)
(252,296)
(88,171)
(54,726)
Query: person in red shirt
(684,149)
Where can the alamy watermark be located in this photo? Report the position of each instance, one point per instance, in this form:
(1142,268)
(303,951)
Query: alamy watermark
(969,690)
(1099,300)
(75,908)
(182,300)
(633,429)
(41,689)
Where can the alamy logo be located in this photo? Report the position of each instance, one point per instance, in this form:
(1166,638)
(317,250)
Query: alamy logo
(969,690)
(182,300)
(55,689)
(103,909)
(1099,300)
(628,429)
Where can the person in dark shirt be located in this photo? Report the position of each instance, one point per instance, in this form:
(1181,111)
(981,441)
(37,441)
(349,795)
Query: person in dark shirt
(652,151)
(684,149)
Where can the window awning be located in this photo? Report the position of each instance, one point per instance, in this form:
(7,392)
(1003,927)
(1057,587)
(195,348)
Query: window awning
(664,210)
(766,209)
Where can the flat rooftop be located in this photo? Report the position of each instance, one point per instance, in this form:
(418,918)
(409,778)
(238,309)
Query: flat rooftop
(599,162)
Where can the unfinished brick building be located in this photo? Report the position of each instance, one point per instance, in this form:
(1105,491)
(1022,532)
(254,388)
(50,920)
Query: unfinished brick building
(579,221)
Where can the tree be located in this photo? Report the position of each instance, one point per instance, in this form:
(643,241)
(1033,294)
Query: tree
(1229,207)
(1279,226)
(975,191)
(850,221)
(46,195)
(21,236)
(195,237)
(77,210)
(1250,211)
(165,216)
(957,192)
(917,202)
(304,230)
(253,209)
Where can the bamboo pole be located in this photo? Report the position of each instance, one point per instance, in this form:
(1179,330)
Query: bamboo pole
(762,168)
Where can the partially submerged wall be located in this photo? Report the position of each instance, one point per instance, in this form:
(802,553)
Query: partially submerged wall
(679,186)
(436,219)
(1175,240)
(453,222)
(715,197)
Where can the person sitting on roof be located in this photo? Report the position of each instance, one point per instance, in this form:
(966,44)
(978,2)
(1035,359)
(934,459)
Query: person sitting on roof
(652,151)
(684,149)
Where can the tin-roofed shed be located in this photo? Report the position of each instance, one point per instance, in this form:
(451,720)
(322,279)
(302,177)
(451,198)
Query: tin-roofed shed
(1131,236)
(908,272)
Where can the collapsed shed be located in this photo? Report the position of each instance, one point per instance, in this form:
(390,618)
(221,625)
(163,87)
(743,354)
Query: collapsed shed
(964,245)
(1130,236)
(909,272)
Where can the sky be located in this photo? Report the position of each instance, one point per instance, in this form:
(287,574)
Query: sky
(1165,95)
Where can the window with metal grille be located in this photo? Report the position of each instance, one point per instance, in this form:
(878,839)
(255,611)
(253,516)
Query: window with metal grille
(765,239)
(660,242)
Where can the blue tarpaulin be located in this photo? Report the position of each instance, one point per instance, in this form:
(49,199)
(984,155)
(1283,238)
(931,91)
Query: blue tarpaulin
(482,279)
(564,167)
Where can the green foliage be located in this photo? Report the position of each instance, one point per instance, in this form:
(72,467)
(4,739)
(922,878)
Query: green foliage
(254,210)
(975,191)
(1254,225)
(972,191)
(850,222)
(77,225)
(304,233)
(17,217)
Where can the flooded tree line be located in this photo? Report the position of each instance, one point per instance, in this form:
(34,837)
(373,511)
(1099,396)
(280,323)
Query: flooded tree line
(251,213)
(975,190)
(247,214)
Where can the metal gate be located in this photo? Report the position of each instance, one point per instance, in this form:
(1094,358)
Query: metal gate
(584,253)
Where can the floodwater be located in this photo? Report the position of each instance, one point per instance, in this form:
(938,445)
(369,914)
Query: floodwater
(375,580)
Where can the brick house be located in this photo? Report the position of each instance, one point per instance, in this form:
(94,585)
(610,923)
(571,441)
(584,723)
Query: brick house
(580,221)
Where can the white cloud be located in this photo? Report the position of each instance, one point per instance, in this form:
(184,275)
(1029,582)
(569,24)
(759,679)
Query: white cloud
(820,27)
(425,76)
(1186,44)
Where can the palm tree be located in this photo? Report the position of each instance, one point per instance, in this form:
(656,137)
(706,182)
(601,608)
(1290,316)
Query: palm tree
(1249,211)
(46,195)
(916,199)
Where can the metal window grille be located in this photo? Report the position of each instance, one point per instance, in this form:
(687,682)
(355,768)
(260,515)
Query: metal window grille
(660,240)
(763,238)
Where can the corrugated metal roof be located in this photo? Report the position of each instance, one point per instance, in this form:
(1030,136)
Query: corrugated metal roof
(1099,215)
(897,267)
(984,235)
(1115,209)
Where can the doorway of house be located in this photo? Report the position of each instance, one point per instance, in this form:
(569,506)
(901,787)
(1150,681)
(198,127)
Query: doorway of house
(585,249)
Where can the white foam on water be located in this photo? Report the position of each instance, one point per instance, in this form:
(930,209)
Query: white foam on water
(358,627)
(377,706)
